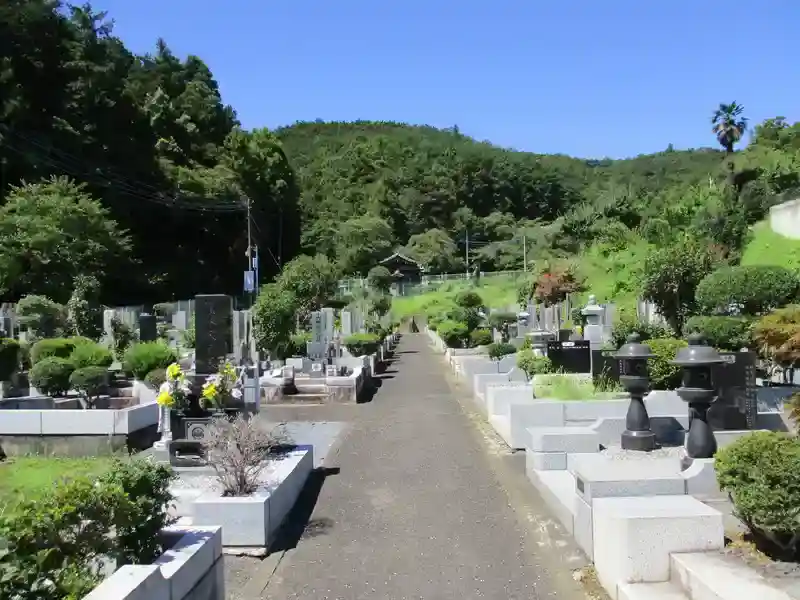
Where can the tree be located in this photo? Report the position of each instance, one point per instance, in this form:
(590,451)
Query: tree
(671,277)
(361,242)
(50,233)
(379,279)
(274,320)
(311,280)
(729,125)
(436,251)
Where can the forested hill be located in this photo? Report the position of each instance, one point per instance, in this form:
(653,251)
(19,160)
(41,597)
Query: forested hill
(134,169)
(377,185)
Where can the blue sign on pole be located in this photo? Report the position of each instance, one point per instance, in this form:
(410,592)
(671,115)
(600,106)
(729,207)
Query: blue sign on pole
(249,281)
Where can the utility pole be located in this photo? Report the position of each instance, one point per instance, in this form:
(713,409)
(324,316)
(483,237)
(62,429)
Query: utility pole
(524,253)
(251,261)
(466,255)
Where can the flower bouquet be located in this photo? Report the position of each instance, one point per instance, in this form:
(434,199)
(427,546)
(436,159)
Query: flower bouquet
(220,388)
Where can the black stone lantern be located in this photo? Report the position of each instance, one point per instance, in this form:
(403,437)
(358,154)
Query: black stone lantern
(634,377)
(697,361)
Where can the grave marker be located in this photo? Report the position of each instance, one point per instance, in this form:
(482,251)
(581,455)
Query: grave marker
(213,331)
(148,328)
(737,405)
(570,357)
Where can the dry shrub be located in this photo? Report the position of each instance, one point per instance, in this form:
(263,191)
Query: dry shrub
(239,450)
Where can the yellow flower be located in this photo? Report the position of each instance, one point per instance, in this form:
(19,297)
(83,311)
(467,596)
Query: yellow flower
(210,391)
(165,399)
(174,372)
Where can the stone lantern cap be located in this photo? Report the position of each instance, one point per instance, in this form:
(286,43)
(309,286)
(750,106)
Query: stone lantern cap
(633,349)
(697,353)
(592,307)
(523,315)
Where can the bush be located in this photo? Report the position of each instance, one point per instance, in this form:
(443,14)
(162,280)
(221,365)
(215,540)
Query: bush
(142,358)
(777,334)
(753,290)
(531,364)
(469,316)
(122,336)
(43,317)
(155,378)
(9,358)
(53,544)
(499,350)
(91,354)
(663,374)
(647,331)
(51,376)
(724,333)
(300,343)
(24,356)
(55,347)
(91,382)
(361,344)
(760,472)
(469,299)
(237,451)
(480,337)
(453,333)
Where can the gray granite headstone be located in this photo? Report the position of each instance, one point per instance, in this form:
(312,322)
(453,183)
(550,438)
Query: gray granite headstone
(317,327)
(148,328)
(213,331)
(347,323)
(328,319)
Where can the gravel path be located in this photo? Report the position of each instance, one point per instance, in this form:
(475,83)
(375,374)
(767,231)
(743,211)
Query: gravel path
(416,511)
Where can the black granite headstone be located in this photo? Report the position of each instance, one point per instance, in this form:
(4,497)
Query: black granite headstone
(564,335)
(213,317)
(737,405)
(570,357)
(148,329)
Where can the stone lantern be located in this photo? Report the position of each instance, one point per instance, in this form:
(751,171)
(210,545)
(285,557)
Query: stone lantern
(697,361)
(632,357)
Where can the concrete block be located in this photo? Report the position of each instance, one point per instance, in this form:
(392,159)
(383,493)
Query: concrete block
(711,575)
(557,489)
(532,413)
(650,591)
(578,410)
(546,461)
(499,396)
(634,537)
(78,422)
(601,476)
(244,520)
(574,459)
(133,582)
(188,561)
(563,439)
(701,478)
(582,526)
(21,422)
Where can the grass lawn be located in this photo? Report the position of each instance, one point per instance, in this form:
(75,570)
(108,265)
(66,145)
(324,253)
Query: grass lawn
(766,247)
(497,292)
(30,476)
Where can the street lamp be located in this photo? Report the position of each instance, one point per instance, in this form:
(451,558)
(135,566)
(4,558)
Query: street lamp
(697,361)
(634,377)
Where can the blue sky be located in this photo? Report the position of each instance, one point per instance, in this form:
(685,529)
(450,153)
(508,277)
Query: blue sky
(590,79)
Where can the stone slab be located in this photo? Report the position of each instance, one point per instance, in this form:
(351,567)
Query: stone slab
(563,439)
(601,477)
(634,537)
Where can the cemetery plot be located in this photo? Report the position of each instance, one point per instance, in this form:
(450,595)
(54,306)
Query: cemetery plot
(570,357)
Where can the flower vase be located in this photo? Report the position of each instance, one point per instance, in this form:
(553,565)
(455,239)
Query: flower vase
(165,427)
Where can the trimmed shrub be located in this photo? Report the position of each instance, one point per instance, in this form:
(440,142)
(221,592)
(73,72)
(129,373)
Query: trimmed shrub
(453,333)
(723,333)
(760,472)
(663,374)
(480,337)
(531,364)
(155,378)
(43,317)
(51,375)
(469,299)
(469,316)
(90,382)
(9,358)
(501,349)
(362,344)
(55,347)
(91,354)
(777,335)
(753,289)
(647,331)
(143,357)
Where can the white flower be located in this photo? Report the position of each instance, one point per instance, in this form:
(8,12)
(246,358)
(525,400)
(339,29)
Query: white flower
(236,393)
(165,388)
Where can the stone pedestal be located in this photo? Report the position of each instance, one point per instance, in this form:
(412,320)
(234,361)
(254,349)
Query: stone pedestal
(539,341)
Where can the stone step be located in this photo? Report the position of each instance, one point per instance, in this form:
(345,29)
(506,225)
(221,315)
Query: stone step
(712,576)
(650,591)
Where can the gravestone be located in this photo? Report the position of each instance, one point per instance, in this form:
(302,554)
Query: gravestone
(347,323)
(108,329)
(328,320)
(317,327)
(570,357)
(317,370)
(180,320)
(593,330)
(331,371)
(737,405)
(148,328)
(213,331)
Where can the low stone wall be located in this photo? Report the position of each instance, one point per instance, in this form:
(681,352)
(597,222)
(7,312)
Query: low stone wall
(191,569)
(785,219)
(77,432)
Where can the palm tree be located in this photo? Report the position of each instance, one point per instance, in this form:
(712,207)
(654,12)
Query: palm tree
(729,125)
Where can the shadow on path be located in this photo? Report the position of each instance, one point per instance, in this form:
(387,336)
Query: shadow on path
(299,524)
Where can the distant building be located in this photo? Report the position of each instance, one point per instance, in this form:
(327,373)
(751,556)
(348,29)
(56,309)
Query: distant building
(406,270)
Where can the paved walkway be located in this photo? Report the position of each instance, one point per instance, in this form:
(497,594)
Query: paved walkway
(417,510)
